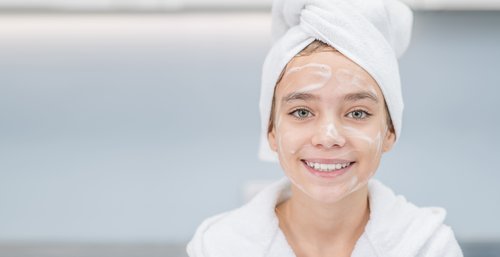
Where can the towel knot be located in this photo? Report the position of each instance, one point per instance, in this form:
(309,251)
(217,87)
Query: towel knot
(390,18)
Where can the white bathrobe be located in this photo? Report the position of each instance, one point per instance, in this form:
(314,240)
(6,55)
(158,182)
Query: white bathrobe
(396,228)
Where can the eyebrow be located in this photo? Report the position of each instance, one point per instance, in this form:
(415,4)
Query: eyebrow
(360,96)
(353,97)
(298,96)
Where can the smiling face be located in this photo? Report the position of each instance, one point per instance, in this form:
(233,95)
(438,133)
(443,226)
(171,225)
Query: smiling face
(330,125)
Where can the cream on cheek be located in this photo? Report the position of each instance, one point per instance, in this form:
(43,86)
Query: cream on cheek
(372,139)
(288,145)
(369,139)
(287,141)
(367,144)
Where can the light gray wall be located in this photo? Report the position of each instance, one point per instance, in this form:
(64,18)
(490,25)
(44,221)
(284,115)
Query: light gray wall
(137,127)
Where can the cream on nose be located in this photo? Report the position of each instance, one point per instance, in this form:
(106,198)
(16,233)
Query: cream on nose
(328,136)
(331,131)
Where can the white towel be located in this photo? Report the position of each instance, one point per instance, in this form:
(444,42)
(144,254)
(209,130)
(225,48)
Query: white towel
(372,33)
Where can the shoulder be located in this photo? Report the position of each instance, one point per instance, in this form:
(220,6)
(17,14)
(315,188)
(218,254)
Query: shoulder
(397,227)
(442,244)
(251,227)
(196,247)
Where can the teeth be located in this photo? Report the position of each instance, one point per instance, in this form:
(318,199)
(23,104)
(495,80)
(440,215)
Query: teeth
(327,167)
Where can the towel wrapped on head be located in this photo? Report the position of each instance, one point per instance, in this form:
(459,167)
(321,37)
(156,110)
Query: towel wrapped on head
(372,33)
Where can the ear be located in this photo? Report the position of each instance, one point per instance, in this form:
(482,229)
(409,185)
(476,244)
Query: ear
(389,139)
(271,138)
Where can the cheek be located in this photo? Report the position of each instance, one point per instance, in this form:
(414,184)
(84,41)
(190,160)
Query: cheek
(363,139)
(367,143)
(288,135)
(289,140)
(368,148)
(288,145)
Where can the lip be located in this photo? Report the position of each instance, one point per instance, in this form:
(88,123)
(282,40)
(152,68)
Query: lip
(331,174)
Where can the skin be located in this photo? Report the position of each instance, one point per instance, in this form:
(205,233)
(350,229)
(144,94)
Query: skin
(328,110)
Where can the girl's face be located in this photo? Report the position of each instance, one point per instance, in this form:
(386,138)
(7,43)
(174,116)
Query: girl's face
(330,126)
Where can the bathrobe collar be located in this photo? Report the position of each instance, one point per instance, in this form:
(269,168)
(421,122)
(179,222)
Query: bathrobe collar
(396,228)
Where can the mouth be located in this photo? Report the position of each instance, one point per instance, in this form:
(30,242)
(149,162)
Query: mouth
(327,168)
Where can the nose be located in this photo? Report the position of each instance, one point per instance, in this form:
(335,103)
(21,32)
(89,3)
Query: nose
(328,136)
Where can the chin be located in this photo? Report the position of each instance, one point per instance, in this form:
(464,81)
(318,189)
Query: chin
(330,194)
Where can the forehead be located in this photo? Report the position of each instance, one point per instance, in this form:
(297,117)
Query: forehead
(323,66)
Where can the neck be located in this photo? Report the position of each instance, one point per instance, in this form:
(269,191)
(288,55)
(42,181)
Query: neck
(324,225)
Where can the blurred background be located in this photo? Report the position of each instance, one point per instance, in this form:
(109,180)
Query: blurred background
(125,123)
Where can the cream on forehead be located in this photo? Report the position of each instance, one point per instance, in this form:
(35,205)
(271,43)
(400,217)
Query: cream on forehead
(347,78)
(321,68)
(353,78)
(323,71)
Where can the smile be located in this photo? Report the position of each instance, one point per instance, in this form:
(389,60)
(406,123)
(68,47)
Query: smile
(323,167)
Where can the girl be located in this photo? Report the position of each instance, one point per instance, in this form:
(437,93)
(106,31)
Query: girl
(331,105)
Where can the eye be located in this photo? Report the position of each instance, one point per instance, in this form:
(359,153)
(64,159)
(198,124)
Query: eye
(358,114)
(301,113)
